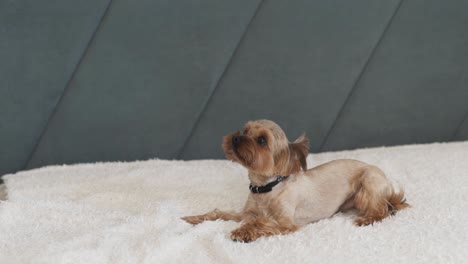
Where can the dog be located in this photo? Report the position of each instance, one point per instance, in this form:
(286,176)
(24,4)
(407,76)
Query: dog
(286,196)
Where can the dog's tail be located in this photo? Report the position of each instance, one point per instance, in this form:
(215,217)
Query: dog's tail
(397,201)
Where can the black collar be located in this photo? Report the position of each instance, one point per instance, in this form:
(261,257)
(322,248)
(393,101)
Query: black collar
(268,187)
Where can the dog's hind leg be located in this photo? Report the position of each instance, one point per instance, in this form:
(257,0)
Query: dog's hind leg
(375,197)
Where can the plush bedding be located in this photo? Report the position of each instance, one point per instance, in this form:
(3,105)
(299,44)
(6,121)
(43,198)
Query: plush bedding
(129,213)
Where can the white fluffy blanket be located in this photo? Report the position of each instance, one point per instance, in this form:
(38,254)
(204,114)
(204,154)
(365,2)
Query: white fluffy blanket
(129,213)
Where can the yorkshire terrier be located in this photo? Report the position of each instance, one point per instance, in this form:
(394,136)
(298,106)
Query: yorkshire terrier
(286,196)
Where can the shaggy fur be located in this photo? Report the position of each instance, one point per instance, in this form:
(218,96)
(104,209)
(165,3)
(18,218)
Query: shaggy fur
(128,212)
(307,195)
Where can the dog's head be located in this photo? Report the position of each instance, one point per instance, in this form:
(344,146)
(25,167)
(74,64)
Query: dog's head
(263,148)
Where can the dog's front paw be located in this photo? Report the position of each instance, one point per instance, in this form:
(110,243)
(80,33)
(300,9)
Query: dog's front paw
(194,220)
(244,235)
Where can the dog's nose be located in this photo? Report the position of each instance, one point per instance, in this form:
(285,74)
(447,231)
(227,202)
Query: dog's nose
(236,140)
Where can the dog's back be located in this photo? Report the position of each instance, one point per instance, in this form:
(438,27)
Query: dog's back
(344,184)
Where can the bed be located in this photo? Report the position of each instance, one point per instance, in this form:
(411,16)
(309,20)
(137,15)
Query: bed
(128,212)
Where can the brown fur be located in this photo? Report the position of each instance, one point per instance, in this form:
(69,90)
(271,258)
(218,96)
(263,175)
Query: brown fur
(307,195)
(373,204)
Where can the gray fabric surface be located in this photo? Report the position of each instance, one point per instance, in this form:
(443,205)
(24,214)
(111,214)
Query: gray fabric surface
(125,80)
(145,77)
(415,89)
(40,46)
(462,132)
(296,66)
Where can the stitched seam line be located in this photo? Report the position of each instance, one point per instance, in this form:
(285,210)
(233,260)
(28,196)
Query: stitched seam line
(358,79)
(67,87)
(223,73)
(457,130)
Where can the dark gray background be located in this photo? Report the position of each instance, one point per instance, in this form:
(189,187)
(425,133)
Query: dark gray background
(103,80)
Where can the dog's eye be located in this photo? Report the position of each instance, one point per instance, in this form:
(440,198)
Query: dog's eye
(261,141)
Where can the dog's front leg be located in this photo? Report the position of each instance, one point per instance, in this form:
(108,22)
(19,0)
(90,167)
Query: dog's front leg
(212,216)
(262,226)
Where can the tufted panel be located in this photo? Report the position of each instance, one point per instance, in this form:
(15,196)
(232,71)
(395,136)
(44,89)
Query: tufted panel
(40,48)
(125,80)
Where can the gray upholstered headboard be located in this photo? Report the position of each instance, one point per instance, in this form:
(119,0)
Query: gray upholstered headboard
(102,80)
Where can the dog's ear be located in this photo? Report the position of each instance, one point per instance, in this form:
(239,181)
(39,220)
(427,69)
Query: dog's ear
(298,151)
